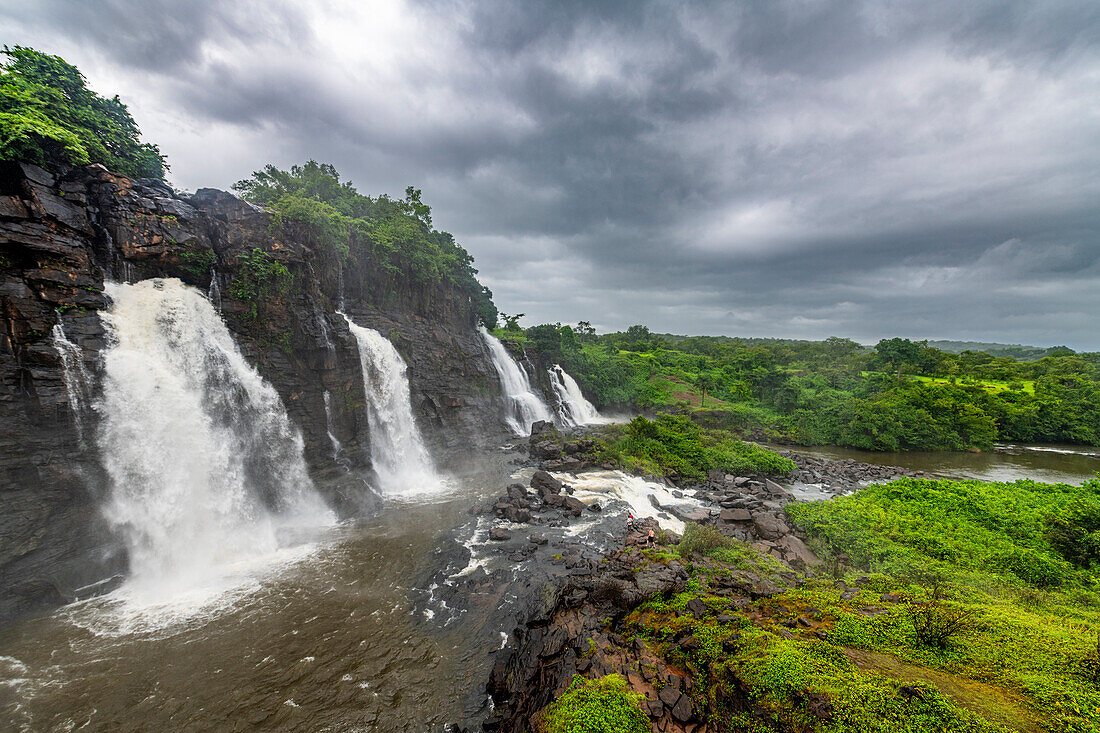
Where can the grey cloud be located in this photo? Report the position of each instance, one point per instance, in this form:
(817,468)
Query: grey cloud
(767,168)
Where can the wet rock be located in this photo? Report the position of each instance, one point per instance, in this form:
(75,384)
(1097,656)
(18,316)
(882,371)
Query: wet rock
(545,484)
(696,607)
(735,515)
(498,534)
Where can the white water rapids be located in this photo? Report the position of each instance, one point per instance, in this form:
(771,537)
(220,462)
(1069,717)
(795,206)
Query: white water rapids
(401,461)
(575,408)
(206,469)
(522,406)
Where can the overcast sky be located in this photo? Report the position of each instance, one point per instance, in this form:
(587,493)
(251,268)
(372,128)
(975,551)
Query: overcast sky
(792,169)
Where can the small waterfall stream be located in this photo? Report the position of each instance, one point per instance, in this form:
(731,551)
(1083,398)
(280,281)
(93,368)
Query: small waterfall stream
(523,406)
(575,408)
(75,375)
(206,468)
(337,446)
(401,461)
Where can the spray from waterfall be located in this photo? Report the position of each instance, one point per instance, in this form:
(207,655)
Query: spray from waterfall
(75,376)
(522,406)
(206,468)
(575,408)
(401,461)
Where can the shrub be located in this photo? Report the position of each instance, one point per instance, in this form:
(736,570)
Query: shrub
(1075,532)
(602,705)
(936,624)
(701,539)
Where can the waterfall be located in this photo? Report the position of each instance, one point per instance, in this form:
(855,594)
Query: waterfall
(401,461)
(214,294)
(206,468)
(75,376)
(337,446)
(523,406)
(575,409)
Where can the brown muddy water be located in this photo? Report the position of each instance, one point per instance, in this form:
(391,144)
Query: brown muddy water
(331,635)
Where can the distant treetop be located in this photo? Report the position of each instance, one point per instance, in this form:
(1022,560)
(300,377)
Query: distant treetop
(48,117)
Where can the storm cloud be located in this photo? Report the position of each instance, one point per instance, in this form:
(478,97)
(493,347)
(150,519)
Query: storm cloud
(794,169)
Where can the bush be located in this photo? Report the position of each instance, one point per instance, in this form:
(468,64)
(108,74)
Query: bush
(603,705)
(701,539)
(1075,533)
(936,624)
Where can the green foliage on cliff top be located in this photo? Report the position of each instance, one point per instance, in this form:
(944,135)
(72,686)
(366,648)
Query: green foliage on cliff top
(48,116)
(603,705)
(674,445)
(393,237)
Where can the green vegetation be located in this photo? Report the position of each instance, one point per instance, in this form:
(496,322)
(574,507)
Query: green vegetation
(49,117)
(392,239)
(902,395)
(952,606)
(673,445)
(990,591)
(197,260)
(603,705)
(259,277)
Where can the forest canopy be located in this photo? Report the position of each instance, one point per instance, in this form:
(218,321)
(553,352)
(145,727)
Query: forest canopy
(48,116)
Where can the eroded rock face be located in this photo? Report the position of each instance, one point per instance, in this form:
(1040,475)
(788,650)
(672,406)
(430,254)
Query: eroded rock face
(62,233)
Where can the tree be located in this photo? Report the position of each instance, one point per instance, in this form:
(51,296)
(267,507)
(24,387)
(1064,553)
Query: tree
(48,117)
(897,352)
(511,323)
(706,382)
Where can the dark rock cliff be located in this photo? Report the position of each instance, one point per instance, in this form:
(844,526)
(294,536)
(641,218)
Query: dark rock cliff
(62,233)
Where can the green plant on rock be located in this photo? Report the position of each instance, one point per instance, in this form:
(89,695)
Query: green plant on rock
(197,261)
(604,705)
(260,275)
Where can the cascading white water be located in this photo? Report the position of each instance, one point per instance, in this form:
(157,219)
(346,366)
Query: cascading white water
(523,407)
(401,461)
(205,466)
(75,376)
(575,409)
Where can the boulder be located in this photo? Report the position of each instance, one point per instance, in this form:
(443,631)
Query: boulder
(545,484)
(735,515)
(774,488)
(498,534)
(769,526)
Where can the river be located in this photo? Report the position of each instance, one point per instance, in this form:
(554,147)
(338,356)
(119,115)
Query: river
(1071,464)
(333,635)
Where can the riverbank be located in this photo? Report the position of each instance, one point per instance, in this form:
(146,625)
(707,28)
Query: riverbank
(875,634)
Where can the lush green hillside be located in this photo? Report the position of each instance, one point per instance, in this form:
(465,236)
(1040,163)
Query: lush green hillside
(942,606)
(901,395)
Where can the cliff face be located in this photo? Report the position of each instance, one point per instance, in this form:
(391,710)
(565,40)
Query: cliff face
(61,234)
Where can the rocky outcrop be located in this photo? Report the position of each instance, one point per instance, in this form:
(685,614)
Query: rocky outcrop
(579,627)
(63,232)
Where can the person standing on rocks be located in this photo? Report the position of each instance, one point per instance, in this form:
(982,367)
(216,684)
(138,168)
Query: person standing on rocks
(651,540)
(629,523)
